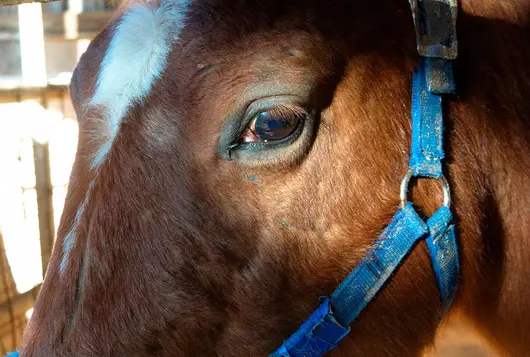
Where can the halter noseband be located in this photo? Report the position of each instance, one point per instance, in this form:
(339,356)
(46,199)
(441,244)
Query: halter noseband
(435,22)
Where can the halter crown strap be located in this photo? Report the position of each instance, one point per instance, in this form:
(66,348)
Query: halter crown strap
(427,114)
(435,24)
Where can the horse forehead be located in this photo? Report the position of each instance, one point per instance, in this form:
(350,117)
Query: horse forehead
(222,25)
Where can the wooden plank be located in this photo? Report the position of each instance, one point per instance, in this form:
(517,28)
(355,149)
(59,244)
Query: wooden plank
(17,2)
(90,24)
(9,95)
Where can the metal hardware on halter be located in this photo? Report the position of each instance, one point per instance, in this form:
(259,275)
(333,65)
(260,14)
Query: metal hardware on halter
(405,189)
(436,40)
(435,22)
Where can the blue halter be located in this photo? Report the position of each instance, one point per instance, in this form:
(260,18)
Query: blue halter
(435,22)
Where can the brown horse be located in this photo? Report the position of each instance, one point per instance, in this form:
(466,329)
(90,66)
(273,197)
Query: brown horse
(194,227)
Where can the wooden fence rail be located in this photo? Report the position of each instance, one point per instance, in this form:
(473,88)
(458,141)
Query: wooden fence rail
(17,2)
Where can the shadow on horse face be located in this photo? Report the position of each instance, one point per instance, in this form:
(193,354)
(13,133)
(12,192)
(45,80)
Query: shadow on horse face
(231,173)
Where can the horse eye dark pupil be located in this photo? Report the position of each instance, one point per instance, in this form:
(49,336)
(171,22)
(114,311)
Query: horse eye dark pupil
(274,128)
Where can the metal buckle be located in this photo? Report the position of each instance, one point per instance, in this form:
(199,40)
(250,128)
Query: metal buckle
(405,189)
(435,22)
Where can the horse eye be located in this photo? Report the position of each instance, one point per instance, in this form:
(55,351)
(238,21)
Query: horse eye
(273,125)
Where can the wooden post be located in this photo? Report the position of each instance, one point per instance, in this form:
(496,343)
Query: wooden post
(44,188)
(8,292)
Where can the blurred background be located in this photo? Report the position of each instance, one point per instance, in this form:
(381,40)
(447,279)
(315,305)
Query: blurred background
(40,45)
(39,48)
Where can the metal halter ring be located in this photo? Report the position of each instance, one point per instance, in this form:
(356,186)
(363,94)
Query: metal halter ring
(405,189)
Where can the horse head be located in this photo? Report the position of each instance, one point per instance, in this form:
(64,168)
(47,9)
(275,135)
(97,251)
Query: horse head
(237,159)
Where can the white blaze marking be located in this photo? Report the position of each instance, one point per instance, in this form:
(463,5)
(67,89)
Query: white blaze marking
(134,60)
(69,239)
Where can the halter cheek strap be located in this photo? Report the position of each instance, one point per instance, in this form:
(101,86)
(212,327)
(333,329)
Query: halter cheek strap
(329,324)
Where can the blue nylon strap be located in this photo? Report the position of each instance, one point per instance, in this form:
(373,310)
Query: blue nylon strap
(434,74)
(14,354)
(439,76)
(365,281)
(444,254)
(319,334)
(427,128)
(325,328)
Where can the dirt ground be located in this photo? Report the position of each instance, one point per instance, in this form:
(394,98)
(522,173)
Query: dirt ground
(460,340)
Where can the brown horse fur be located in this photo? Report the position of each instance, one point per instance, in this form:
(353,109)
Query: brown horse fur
(181,252)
